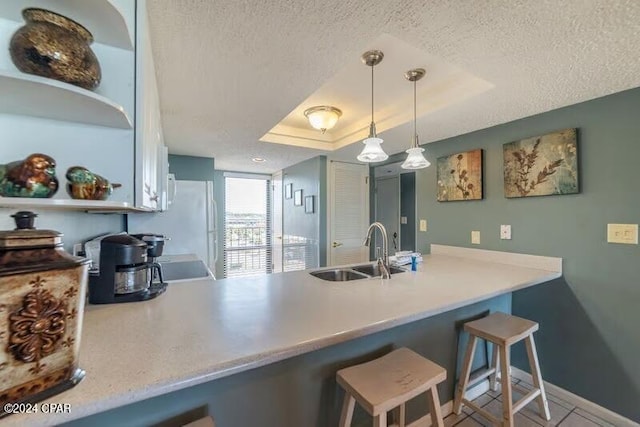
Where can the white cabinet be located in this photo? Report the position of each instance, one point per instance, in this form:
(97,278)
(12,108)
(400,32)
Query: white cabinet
(149,138)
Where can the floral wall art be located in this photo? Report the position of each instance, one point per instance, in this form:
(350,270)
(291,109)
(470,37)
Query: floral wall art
(541,165)
(460,176)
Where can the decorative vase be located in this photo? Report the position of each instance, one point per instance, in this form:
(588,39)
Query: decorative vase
(86,185)
(51,45)
(33,177)
(42,290)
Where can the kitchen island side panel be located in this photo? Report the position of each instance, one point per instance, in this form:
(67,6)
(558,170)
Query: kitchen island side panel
(301,391)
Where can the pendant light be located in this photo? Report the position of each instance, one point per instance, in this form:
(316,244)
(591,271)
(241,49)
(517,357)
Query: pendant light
(372,151)
(415,158)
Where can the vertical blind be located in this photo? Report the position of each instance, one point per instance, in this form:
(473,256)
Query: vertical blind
(247,226)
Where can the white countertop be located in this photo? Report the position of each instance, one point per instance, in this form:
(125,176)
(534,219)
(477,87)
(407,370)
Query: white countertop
(204,329)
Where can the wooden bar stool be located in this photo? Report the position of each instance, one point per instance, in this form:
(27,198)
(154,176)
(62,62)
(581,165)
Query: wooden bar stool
(503,331)
(388,382)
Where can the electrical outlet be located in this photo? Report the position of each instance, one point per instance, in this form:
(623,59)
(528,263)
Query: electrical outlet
(403,220)
(423,225)
(475,237)
(622,233)
(505,232)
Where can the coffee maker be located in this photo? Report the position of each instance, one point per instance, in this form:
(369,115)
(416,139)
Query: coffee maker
(124,272)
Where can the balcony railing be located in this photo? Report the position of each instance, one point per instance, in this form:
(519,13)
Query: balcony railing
(247,250)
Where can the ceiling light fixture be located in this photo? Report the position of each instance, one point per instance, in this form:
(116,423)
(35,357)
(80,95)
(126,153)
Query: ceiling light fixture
(258,160)
(372,151)
(323,117)
(415,158)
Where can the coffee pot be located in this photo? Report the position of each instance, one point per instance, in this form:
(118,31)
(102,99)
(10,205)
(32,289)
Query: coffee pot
(124,273)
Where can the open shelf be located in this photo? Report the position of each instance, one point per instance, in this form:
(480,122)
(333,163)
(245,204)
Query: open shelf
(101,17)
(95,206)
(30,95)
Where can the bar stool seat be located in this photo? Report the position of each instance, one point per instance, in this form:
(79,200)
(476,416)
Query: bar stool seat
(388,382)
(503,330)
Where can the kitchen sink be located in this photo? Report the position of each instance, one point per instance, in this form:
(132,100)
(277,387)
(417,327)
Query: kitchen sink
(339,275)
(365,271)
(373,270)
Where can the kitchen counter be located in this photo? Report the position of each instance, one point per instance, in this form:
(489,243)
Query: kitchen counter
(203,330)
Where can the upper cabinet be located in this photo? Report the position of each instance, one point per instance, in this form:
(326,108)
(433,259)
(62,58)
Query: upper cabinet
(149,137)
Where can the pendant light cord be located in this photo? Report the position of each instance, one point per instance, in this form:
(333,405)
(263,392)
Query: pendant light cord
(372,121)
(415,132)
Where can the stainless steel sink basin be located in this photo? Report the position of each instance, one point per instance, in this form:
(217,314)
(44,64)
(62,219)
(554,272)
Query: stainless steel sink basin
(373,270)
(339,275)
(365,271)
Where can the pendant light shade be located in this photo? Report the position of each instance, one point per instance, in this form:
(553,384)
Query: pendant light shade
(372,151)
(415,158)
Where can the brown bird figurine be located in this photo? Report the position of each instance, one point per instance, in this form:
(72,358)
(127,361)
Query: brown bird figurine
(33,177)
(86,185)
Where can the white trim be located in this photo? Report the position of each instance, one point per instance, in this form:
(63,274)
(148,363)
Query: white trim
(511,258)
(246,175)
(580,402)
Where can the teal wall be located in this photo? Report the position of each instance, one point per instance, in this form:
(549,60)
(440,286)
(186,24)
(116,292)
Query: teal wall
(189,168)
(588,341)
(309,176)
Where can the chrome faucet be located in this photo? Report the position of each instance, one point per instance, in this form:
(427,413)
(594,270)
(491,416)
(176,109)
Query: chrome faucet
(383,261)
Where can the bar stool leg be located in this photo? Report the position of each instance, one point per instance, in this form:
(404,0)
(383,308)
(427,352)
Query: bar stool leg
(495,364)
(348,405)
(464,375)
(434,407)
(505,380)
(543,405)
(380,420)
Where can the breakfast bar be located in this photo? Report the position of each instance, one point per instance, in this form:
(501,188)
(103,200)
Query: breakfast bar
(279,338)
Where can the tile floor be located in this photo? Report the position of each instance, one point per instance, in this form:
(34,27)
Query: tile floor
(563,414)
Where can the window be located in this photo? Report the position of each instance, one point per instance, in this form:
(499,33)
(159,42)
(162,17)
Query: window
(247,227)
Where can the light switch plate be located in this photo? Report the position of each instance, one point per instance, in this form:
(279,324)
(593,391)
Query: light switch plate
(423,225)
(403,220)
(505,232)
(622,233)
(475,237)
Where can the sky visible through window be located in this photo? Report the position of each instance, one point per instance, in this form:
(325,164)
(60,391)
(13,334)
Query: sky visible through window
(245,196)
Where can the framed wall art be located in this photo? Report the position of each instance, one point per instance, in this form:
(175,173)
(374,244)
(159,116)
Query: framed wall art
(297,198)
(542,165)
(309,204)
(460,176)
(288,191)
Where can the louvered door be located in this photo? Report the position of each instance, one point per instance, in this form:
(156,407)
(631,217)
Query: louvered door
(349,212)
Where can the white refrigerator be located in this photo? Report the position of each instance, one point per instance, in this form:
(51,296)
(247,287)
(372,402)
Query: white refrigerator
(190,222)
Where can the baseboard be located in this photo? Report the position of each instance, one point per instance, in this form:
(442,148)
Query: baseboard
(474,392)
(593,408)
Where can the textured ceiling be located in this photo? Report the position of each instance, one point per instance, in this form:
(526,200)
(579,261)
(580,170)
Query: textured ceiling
(228,71)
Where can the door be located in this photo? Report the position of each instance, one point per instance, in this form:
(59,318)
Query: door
(388,210)
(276,197)
(348,212)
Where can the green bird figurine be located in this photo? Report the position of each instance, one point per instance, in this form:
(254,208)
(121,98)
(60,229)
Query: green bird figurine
(86,185)
(34,176)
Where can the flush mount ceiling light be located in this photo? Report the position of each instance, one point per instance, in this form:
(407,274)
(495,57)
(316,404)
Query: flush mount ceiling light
(323,117)
(372,151)
(415,158)
(258,160)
